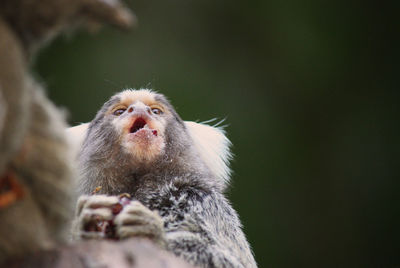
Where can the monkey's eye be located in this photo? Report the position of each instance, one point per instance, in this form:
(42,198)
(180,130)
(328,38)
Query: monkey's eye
(157,111)
(118,112)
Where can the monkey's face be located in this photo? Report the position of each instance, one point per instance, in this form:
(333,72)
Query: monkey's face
(139,119)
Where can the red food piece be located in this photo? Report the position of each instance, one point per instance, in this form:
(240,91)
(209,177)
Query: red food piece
(116,209)
(107,227)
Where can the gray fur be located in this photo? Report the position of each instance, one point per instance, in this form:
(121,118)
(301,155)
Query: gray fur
(199,223)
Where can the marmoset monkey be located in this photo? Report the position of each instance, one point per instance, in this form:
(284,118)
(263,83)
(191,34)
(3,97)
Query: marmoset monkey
(36,165)
(138,144)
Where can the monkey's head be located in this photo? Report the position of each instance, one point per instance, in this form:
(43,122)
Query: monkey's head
(138,133)
(139,123)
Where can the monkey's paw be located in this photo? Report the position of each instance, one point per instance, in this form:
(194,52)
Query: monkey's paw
(94,216)
(136,220)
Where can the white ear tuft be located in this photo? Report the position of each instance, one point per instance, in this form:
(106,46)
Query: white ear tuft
(213,146)
(76,135)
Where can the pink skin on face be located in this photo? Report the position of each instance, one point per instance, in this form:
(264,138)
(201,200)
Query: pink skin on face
(142,138)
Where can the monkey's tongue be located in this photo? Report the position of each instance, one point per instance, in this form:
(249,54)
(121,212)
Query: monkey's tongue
(139,124)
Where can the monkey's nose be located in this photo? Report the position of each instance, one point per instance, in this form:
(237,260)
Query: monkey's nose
(139,108)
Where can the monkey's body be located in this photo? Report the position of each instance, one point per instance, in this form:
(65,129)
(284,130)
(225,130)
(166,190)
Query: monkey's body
(199,223)
(34,155)
(131,149)
(34,150)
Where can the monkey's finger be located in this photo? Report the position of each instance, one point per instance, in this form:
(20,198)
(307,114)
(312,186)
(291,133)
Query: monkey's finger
(80,204)
(133,219)
(135,203)
(98,201)
(138,212)
(139,231)
(135,207)
(130,220)
(99,214)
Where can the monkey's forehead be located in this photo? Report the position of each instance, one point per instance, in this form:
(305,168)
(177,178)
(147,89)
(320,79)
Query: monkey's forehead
(129,96)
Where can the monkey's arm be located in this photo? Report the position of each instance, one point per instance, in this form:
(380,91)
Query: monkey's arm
(204,229)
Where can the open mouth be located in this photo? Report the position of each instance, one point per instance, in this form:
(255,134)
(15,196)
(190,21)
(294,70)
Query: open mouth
(139,124)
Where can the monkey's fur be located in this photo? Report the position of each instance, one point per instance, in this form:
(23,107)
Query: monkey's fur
(35,22)
(34,150)
(179,199)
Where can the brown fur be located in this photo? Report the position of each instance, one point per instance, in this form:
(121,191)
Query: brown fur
(33,145)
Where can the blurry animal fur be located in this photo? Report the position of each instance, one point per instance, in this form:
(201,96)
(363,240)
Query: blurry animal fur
(182,179)
(34,150)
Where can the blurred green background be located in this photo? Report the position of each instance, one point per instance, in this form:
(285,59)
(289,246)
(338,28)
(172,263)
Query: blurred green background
(310,93)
